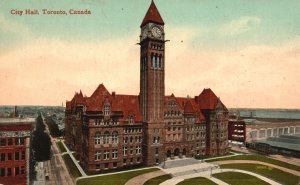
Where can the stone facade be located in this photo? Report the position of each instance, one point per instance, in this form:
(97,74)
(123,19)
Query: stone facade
(108,130)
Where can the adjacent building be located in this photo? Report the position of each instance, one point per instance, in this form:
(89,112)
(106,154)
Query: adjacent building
(237,131)
(109,130)
(15,150)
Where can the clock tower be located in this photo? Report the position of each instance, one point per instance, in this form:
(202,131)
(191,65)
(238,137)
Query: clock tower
(152,84)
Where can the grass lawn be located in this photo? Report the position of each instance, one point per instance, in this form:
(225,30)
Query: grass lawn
(116,179)
(61,147)
(71,166)
(259,158)
(271,173)
(158,180)
(236,178)
(197,181)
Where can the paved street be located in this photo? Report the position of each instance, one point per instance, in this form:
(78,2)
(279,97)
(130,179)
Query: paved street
(55,167)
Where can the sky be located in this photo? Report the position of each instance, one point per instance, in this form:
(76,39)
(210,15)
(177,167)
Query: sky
(247,52)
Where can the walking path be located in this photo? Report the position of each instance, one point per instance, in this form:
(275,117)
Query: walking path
(290,160)
(113,173)
(74,160)
(207,175)
(141,179)
(257,162)
(221,157)
(270,181)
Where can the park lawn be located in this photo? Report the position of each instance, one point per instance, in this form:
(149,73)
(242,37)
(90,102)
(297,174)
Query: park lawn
(259,158)
(61,147)
(197,181)
(237,178)
(158,180)
(116,179)
(72,168)
(269,172)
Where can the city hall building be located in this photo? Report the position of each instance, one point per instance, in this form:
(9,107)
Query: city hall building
(110,130)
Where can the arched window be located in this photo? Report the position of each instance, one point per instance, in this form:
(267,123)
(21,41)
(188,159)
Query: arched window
(115,139)
(97,138)
(160,61)
(106,137)
(156,61)
(125,140)
(131,139)
(152,60)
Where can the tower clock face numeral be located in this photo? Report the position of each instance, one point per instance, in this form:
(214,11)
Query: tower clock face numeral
(156,32)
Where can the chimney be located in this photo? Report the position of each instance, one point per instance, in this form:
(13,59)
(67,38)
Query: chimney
(113,93)
(16,111)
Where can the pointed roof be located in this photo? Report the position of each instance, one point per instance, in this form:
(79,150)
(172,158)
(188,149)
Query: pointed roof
(207,99)
(152,15)
(100,91)
(188,108)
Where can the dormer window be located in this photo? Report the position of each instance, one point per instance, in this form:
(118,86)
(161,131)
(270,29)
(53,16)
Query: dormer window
(106,109)
(131,119)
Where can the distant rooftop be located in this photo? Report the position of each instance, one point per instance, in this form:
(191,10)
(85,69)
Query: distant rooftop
(254,121)
(291,142)
(15,121)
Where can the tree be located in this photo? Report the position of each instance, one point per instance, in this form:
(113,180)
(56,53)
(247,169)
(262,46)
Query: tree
(41,142)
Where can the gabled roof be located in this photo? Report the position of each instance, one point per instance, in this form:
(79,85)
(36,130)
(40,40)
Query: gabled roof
(128,104)
(100,91)
(188,105)
(188,108)
(152,15)
(207,99)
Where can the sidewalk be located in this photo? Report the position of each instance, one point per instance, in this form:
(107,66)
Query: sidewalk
(257,162)
(218,181)
(83,174)
(141,179)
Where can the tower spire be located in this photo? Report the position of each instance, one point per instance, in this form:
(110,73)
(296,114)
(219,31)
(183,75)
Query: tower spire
(152,15)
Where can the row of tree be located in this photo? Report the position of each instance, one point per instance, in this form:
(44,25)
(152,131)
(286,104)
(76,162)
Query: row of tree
(53,127)
(41,142)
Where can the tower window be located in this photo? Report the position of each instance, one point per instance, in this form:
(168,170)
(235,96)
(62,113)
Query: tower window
(156,61)
(160,61)
(152,60)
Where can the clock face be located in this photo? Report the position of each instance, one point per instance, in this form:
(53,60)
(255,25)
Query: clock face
(156,32)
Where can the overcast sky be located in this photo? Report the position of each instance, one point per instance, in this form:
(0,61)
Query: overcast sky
(247,52)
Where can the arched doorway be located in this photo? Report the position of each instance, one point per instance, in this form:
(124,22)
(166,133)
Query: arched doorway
(169,154)
(184,152)
(176,153)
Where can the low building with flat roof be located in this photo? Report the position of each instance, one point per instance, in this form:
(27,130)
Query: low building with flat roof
(261,130)
(284,145)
